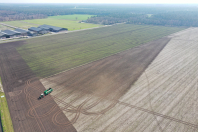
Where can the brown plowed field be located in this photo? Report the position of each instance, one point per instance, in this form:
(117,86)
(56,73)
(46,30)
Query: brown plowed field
(91,97)
(22,89)
(137,90)
(95,89)
(86,89)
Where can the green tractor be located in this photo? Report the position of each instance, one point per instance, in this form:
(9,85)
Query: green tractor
(41,96)
(46,92)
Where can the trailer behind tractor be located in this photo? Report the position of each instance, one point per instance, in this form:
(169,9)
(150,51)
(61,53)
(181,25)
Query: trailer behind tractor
(46,92)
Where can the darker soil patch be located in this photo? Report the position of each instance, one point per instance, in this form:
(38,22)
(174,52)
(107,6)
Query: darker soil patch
(111,77)
(22,88)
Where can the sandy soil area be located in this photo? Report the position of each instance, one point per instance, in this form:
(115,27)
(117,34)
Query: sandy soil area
(163,99)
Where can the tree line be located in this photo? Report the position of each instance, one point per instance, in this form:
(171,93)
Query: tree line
(12,16)
(107,14)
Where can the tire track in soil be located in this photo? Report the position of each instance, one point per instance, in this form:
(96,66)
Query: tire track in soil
(97,102)
(33,113)
(89,107)
(33,107)
(51,110)
(142,109)
(54,119)
(28,83)
(137,108)
(84,111)
(158,124)
(23,97)
(94,104)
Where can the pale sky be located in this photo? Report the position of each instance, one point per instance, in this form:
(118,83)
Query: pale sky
(103,1)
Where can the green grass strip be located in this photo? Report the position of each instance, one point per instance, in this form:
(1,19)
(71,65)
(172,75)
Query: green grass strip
(5,114)
(49,55)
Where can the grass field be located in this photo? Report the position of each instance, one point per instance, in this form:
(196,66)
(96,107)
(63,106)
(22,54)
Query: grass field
(71,25)
(20,24)
(4,27)
(52,54)
(72,17)
(5,114)
(65,21)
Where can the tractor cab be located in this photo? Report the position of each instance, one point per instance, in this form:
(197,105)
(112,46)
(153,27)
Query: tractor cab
(41,96)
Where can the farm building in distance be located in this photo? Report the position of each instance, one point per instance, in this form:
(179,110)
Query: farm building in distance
(2,35)
(33,31)
(46,28)
(11,33)
(38,30)
(14,33)
(52,28)
(23,32)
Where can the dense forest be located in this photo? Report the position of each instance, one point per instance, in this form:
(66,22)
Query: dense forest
(154,14)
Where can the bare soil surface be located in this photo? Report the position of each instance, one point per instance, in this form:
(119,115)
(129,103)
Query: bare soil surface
(22,88)
(89,95)
(141,89)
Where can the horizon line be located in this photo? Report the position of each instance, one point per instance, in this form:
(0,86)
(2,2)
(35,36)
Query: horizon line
(104,3)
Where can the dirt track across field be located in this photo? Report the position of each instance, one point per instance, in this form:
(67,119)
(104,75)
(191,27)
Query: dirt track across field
(95,89)
(22,89)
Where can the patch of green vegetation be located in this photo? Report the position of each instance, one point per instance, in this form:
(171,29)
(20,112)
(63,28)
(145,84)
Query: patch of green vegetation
(20,24)
(2,27)
(5,114)
(52,54)
(69,24)
(77,17)
(149,15)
